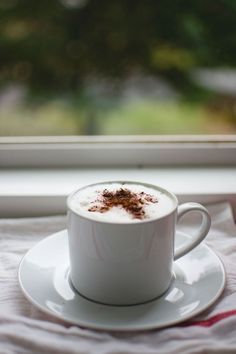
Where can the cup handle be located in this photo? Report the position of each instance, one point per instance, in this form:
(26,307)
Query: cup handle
(200,234)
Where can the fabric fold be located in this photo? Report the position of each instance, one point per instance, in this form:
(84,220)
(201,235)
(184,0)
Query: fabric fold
(24,329)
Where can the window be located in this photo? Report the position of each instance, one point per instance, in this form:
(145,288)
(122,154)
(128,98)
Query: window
(115,89)
(87,67)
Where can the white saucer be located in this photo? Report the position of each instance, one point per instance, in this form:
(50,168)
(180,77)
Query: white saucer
(44,279)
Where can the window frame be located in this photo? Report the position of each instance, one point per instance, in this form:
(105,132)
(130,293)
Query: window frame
(89,151)
(182,158)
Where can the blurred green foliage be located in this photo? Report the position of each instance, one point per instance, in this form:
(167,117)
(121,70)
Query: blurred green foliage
(54,45)
(54,48)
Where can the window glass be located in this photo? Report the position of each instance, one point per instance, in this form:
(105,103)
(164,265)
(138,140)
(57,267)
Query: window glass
(88,67)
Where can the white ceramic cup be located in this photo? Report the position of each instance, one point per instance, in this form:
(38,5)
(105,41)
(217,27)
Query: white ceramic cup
(128,263)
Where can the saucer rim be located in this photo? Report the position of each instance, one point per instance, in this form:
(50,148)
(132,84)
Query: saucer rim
(111,327)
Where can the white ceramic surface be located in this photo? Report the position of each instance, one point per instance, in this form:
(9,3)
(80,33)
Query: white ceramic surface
(199,279)
(127,263)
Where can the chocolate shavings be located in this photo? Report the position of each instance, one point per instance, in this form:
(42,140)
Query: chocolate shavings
(133,203)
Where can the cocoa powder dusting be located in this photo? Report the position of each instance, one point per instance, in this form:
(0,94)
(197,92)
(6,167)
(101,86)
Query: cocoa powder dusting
(132,202)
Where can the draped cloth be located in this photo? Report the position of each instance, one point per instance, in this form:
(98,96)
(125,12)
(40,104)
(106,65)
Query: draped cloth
(26,330)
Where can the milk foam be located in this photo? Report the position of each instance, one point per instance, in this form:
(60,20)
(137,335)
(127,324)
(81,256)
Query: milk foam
(85,198)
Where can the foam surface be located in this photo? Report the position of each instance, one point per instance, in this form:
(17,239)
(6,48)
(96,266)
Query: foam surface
(85,198)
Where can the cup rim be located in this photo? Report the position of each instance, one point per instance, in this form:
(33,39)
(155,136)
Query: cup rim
(133,222)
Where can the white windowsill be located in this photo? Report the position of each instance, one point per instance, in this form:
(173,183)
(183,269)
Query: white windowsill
(31,192)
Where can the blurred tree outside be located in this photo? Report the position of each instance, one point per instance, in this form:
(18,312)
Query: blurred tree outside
(117,67)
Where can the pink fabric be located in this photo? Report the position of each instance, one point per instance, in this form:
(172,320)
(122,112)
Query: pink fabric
(213,320)
(26,330)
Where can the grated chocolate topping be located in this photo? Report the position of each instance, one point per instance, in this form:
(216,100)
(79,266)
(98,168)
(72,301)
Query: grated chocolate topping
(132,202)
